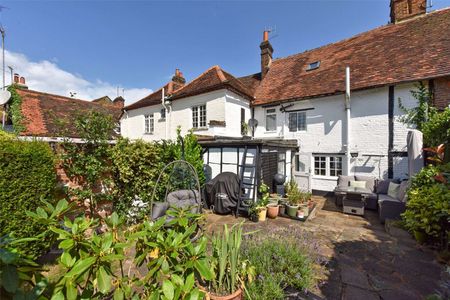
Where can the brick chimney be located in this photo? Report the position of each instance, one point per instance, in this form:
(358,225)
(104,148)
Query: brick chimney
(20,81)
(266,54)
(119,102)
(178,77)
(405,9)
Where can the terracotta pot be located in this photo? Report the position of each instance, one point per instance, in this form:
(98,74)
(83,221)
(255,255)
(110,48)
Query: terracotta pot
(292,210)
(262,214)
(235,296)
(272,210)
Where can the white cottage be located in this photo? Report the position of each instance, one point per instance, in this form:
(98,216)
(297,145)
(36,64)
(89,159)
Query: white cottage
(305,129)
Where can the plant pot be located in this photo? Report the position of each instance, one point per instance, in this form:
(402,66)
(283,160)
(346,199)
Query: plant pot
(282,209)
(420,236)
(235,296)
(292,210)
(272,210)
(254,218)
(305,209)
(300,213)
(262,214)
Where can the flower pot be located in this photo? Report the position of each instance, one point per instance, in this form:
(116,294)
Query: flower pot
(262,214)
(292,210)
(235,296)
(420,236)
(300,213)
(282,209)
(305,209)
(272,210)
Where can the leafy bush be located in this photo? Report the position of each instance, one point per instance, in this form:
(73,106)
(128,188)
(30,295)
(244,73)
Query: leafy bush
(283,258)
(428,206)
(27,176)
(437,129)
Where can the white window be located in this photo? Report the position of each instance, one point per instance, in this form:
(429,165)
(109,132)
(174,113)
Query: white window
(271,119)
(199,116)
(327,165)
(149,125)
(297,121)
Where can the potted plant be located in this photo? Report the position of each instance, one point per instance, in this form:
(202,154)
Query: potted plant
(293,198)
(230,272)
(261,210)
(305,198)
(253,213)
(272,210)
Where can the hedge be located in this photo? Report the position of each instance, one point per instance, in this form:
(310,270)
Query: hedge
(27,175)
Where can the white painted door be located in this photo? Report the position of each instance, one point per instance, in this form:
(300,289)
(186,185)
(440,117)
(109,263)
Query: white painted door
(302,170)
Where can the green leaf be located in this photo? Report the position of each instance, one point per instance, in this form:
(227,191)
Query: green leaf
(189,283)
(7,257)
(66,244)
(80,267)
(202,268)
(71,290)
(67,260)
(103,280)
(10,278)
(195,295)
(177,280)
(168,289)
(118,294)
(58,296)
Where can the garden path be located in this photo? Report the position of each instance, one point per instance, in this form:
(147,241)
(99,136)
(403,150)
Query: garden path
(364,261)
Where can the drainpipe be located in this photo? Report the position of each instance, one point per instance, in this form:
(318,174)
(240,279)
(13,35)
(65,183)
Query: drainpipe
(167,111)
(347,118)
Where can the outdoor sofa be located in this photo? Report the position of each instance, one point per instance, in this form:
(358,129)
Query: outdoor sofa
(388,206)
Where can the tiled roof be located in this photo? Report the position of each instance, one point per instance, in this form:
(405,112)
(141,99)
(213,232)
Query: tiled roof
(251,81)
(211,80)
(155,97)
(412,50)
(44,113)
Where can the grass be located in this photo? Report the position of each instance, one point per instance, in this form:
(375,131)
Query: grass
(284,258)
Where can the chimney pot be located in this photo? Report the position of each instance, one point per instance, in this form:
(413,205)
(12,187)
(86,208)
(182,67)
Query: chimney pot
(22,80)
(16,78)
(265,36)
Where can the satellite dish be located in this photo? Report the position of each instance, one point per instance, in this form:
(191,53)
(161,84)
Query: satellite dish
(252,123)
(4,97)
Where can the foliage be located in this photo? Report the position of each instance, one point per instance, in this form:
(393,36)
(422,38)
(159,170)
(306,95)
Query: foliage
(137,165)
(19,276)
(283,257)
(428,207)
(27,176)
(88,164)
(244,128)
(230,272)
(6,135)
(93,257)
(15,109)
(424,110)
(264,195)
(437,130)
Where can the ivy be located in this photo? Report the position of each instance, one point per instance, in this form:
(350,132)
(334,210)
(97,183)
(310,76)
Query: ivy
(15,109)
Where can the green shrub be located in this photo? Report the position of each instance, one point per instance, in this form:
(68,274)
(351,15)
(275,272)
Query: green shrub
(428,206)
(437,130)
(282,259)
(27,176)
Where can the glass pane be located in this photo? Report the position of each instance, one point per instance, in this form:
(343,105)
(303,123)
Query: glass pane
(271,122)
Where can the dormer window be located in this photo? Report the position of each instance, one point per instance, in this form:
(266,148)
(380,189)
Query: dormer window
(313,66)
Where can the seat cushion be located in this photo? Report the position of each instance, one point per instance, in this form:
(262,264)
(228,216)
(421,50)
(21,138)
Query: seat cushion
(386,198)
(370,181)
(393,189)
(357,184)
(402,191)
(344,181)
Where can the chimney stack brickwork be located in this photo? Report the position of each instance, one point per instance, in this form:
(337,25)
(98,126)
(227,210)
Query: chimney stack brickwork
(266,54)
(405,9)
(178,77)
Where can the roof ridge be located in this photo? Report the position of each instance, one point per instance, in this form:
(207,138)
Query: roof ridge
(220,73)
(363,33)
(59,96)
(190,82)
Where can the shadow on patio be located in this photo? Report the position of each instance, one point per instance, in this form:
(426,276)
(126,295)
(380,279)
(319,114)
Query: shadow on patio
(364,261)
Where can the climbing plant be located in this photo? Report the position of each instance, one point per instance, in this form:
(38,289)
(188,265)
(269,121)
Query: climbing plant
(15,111)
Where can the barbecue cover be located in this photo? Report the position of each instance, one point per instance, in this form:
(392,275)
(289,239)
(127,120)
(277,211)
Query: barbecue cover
(221,194)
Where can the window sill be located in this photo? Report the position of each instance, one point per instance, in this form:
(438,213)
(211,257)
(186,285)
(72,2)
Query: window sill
(161,120)
(270,131)
(148,133)
(324,177)
(200,129)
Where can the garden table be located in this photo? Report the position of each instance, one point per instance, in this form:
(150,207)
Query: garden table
(354,199)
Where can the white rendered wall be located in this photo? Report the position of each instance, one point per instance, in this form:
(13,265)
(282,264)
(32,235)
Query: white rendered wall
(369,131)
(221,106)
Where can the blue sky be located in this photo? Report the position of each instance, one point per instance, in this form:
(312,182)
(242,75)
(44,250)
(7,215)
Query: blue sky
(137,45)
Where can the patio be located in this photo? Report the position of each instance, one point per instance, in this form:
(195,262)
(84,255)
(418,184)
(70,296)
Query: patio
(364,261)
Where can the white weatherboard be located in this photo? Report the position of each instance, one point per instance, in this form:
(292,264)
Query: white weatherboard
(4,97)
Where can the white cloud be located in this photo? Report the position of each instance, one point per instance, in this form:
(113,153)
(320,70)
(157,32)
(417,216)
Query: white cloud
(47,76)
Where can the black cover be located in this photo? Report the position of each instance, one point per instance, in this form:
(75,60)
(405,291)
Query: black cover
(222,193)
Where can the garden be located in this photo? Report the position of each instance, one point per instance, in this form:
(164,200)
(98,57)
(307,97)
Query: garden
(92,237)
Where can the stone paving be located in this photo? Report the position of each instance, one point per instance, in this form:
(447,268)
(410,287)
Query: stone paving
(365,262)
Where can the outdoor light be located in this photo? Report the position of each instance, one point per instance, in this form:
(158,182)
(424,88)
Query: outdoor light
(354,154)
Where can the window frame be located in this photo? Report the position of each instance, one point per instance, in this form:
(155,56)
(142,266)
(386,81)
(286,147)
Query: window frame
(163,114)
(329,160)
(274,113)
(305,123)
(149,123)
(199,116)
